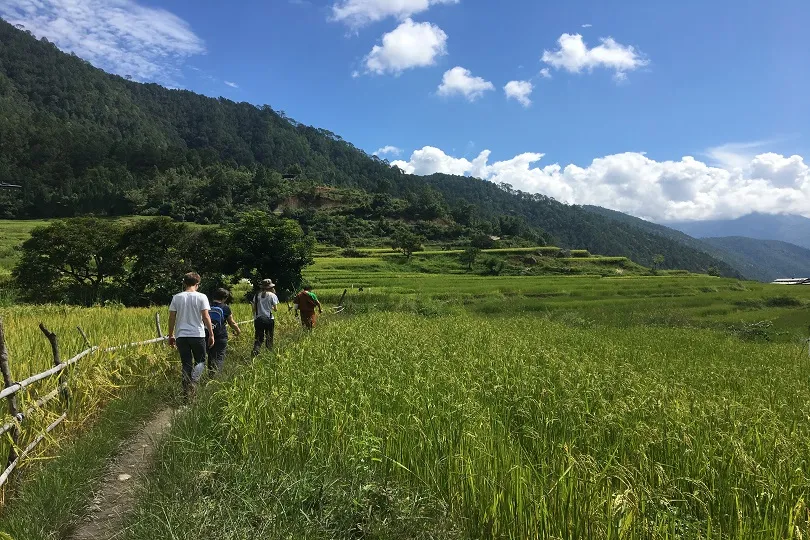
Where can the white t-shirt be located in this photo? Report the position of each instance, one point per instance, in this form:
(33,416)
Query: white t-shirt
(189,307)
(264,306)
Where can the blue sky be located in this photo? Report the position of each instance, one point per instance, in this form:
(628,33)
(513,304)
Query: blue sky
(614,94)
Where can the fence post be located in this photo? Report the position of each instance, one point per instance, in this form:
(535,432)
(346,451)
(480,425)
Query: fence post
(63,391)
(84,336)
(12,399)
(157,324)
(342,297)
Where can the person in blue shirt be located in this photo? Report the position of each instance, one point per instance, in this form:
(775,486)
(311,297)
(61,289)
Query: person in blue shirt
(221,317)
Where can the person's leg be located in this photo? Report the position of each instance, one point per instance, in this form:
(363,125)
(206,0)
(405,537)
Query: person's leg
(257,341)
(269,333)
(186,362)
(216,357)
(198,349)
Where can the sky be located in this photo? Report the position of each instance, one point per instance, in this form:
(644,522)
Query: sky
(669,111)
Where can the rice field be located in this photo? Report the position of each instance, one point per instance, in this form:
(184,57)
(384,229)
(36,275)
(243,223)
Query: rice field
(396,425)
(463,406)
(94,380)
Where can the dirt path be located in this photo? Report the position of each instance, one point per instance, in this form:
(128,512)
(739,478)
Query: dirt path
(115,495)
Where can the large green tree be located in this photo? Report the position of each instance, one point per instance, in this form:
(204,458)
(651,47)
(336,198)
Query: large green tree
(159,251)
(262,245)
(75,260)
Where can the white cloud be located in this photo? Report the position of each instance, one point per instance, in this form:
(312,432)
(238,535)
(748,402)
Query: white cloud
(459,81)
(357,13)
(520,91)
(231,84)
(575,56)
(120,36)
(545,73)
(408,46)
(631,182)
(586,25)
(388,150)
(735,155)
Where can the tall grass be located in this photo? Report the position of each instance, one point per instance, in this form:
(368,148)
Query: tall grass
(395,425)
(95,379)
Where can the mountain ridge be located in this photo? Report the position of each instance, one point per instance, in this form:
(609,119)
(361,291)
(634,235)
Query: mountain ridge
(82,141)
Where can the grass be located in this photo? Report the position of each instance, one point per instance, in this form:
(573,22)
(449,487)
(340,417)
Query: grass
(12,234)
(397,425)
(52,496)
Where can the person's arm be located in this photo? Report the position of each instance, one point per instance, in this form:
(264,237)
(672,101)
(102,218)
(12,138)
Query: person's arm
(254,304)
(172,323)
(232,323)
(206,317)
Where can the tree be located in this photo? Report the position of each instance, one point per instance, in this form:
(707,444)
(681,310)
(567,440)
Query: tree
(159,251)
(469,256)
(71,260)
(407,242)
(264,246)
(494,265)
(658,260)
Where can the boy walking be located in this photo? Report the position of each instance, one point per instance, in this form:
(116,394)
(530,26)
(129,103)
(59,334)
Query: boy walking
(264,304)
(221,317)
(188,315)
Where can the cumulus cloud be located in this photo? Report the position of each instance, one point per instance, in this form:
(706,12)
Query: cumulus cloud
(459,81)
(388,151)
(631,182)
(231,84)
(545,73)
(519,91)
(575,56)
(357,13)
(408,46)
(120,36)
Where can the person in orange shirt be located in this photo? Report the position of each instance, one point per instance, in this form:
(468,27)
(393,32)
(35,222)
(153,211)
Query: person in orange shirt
(306,302)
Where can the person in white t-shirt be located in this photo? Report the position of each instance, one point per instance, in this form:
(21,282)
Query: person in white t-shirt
(188,321)
(265,302)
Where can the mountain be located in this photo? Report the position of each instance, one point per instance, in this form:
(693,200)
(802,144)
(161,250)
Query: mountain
(81,141)
(763,260)
(785,227)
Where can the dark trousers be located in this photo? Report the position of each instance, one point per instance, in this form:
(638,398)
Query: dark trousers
(192,355)
(216,356)
(264,333)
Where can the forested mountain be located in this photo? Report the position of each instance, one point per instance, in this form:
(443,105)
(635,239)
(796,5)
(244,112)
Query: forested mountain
(785,227)
(81,141)
(763,260)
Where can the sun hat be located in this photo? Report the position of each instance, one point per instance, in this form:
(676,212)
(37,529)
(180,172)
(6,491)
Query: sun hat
(266,284)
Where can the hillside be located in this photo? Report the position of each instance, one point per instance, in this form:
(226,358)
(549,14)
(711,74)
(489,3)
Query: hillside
(764,260)
(82,141)
(785,227)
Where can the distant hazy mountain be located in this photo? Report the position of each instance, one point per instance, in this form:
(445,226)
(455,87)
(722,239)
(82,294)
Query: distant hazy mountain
(785,227)
(764,260)
(754,258)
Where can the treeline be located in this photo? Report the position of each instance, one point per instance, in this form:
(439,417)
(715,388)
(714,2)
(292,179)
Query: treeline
(81,141)
(140,262)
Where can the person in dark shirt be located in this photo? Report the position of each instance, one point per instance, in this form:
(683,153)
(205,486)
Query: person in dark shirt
(221,318)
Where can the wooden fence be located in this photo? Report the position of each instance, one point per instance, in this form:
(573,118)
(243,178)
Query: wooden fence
(10,390)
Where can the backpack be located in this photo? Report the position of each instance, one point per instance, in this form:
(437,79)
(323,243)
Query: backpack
(218,321)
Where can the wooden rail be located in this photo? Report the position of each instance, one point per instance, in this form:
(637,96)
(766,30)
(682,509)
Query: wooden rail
(11,388)
(14,424)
